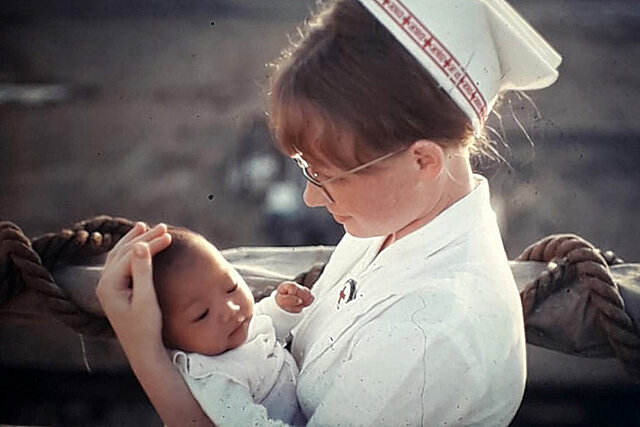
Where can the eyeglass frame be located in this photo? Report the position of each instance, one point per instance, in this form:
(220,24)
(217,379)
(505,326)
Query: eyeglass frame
(308,173)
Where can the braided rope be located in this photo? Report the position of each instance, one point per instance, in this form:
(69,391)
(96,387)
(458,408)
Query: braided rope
(571,256)
(310,277)
(10,236)
(27,264)
(84,240)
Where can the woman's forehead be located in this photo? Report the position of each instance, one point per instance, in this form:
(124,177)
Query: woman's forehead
(323,141)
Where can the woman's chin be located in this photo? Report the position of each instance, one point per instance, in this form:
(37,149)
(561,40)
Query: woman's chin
(356,231)
(340,219)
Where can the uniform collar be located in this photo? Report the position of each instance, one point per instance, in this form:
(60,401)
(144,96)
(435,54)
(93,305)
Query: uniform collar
(449,226)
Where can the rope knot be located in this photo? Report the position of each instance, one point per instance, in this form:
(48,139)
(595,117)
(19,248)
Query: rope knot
(27,264)
(574,262)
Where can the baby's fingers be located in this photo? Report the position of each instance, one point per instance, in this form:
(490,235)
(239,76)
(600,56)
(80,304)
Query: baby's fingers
(285,288)
(290,303)
(302,294)
(306,296)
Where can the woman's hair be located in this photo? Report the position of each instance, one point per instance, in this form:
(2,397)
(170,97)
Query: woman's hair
(349,79)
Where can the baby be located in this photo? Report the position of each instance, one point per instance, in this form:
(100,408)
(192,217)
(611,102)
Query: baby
(228,350)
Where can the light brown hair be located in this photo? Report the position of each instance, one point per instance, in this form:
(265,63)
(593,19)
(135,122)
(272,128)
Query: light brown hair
(348,79)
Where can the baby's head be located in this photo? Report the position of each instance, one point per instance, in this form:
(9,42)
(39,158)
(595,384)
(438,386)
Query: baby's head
(206,306)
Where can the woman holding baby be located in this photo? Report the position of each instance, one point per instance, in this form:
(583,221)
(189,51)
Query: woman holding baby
(416,318)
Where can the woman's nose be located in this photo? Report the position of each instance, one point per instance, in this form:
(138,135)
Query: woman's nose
(313,196)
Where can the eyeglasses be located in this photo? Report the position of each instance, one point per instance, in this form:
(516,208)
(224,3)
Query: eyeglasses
(312,176)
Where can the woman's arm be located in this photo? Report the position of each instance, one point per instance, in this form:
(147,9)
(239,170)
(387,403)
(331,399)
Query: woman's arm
(165,388)
(128,298)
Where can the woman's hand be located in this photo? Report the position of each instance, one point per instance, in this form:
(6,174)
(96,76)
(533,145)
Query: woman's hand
(128,298)
(126,291)
(292,297)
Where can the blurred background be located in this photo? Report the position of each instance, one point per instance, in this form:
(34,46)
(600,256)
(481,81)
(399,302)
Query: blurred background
(153,110)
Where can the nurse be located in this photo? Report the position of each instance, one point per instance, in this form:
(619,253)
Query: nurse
(416,319)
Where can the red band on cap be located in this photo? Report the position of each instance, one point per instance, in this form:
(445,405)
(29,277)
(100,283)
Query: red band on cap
(437,52)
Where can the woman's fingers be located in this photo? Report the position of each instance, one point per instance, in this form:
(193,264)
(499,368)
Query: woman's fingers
(138,228)
(142,274)
(159,243)
(128,298)
(156,231)
(122,248)
(115,282)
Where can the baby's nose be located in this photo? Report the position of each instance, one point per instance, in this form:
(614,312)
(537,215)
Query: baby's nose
(233,309)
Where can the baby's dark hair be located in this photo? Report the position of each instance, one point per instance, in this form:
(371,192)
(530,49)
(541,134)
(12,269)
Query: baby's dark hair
(177,256)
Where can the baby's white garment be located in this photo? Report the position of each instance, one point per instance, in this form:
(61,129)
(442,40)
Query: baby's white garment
(228,385)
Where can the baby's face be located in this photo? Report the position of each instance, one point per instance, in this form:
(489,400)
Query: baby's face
(207,306)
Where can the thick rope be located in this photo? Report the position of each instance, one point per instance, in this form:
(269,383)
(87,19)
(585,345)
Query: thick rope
(571,256)
(27,264)
(309,278)
(84,240)
(10,236)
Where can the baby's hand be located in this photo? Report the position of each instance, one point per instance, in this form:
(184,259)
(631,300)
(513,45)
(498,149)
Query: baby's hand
(292,297)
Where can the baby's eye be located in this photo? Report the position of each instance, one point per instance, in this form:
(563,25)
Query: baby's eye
(235,286)
(202,316)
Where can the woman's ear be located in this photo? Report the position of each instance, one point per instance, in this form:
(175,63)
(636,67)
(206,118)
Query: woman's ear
(428,157)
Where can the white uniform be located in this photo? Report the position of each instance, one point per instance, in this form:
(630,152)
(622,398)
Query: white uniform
(428,332)
(228,385)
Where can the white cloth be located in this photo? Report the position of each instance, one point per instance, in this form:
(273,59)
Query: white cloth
(434,336)
(474,49)
(261,371)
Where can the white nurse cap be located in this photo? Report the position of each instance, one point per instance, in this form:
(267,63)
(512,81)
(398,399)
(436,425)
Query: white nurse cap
(475,49)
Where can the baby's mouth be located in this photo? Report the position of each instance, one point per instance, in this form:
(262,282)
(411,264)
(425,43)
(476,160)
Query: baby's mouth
(242,320)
